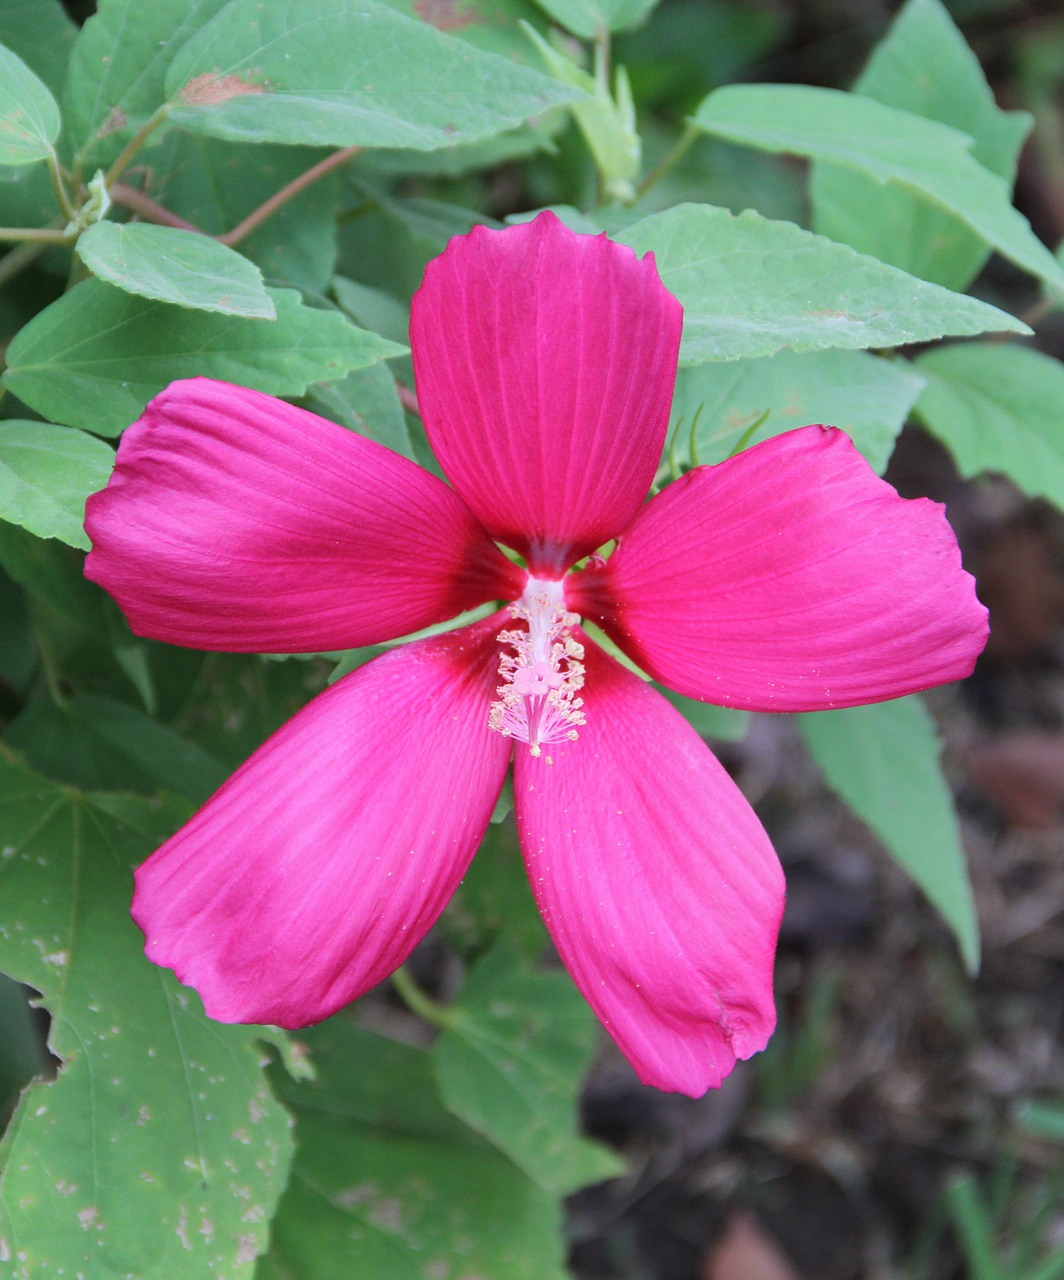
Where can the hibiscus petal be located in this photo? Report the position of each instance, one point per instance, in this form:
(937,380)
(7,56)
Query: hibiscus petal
(318,867)
(789,578)
(656,880)
(545,363)
(236,521)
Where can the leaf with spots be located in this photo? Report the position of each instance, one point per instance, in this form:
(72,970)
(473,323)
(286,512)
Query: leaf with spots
(159,1151)
(386,1185)
(510,1062)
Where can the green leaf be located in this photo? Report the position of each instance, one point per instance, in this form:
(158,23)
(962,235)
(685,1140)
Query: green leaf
(891,146)
(492,25)
(159,1150)
(727,724)
(215,184)
(365,401)
(883,760)
(117,70)
(718,408)
(42,34)
(179,267)
(386,1185)
(923,66)
(29,115)
(340,74)
(95,357)
(495,901)
(998,408)
(510,1062)
(100,744)
(46,473)
(750,287)
(585,18)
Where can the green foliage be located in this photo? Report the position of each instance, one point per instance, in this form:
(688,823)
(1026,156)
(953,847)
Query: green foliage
(889,145)
(97,356)
(118,67)
(158,1150)
(883,760)
(335,75)
(925,67)
(386,1183)
(516,1044)
(29,116)
(751,287)
(721,407)
(179,267)
(46,473)
(998,409)
(586,18)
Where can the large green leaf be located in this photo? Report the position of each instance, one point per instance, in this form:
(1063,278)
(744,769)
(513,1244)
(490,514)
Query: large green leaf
(923,66)
(215,184)
(888,145)
(29,116)
(117,70)
(587,18)
(510,1062)
(333,73)
(365,401)
(883,760)
(175,266)
(159,1151)
(998,408)
(96,356)
(494,900)
(387,1186)
(750,287)
(46,473)
(719,407)
(42,34)
(100,744)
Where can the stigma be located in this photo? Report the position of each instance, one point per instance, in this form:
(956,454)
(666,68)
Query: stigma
(541,670)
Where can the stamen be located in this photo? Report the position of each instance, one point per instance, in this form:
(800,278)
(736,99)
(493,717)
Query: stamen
(538,700)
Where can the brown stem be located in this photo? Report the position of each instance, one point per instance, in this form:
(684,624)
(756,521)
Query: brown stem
(137,202)
(286,193)
(151,211)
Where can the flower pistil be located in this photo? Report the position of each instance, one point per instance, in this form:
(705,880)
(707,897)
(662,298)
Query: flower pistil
(539,700)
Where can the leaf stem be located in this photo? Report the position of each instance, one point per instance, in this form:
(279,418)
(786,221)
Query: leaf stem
(42,235)
(151,211)
(418,1002)
(134,145)
(286,193)
(147,208)
(678,149)
(63,199)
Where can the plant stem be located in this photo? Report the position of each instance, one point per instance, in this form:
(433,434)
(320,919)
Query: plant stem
(151,211)
(44,235)
(19,258)
(418,1002)
(134,145)
(286,193)
(61,195)
(685,140)
(137,202)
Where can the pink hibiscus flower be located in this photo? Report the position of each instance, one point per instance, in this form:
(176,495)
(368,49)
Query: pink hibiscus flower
(789,578)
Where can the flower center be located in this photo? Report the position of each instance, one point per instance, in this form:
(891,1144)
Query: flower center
(539,699)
